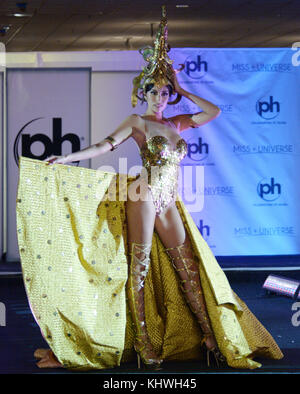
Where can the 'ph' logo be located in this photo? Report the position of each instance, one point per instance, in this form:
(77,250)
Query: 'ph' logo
(269,192)
(198,151)
(51,147)
(268,109)
(203,228)
(195,69)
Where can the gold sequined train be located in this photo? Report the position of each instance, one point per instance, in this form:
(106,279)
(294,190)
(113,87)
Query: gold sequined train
(72,237)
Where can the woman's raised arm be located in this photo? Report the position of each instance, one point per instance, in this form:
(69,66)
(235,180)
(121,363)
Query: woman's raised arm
(122,133)
(209,110)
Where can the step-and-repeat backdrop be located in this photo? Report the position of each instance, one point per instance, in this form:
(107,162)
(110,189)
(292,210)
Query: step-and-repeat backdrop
(2,163)
(239,179)
(48,113)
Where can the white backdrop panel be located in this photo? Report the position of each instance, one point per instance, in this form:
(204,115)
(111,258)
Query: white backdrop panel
(2,164)
(48,113)
(250,153)
(111,92)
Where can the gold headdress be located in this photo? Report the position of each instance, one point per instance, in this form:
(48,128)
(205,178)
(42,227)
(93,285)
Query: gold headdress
(159,69)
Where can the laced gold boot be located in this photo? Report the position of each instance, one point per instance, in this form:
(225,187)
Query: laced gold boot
(187,268)
(135,289)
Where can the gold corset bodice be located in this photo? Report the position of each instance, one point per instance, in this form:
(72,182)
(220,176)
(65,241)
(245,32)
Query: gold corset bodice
(157,151)
(161,161)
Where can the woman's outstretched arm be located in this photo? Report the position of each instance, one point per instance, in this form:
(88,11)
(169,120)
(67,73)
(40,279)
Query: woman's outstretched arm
(122,133)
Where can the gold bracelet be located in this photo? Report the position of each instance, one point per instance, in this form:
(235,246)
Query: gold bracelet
(112,141)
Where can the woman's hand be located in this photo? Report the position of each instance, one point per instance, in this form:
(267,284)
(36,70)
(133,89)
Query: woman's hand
(57,160)
(177,87)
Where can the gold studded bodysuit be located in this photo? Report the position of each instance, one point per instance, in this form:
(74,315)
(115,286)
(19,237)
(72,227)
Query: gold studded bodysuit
(161,159)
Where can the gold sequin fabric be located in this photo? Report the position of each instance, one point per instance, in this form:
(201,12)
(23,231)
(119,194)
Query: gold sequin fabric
(162,164)
(72,238)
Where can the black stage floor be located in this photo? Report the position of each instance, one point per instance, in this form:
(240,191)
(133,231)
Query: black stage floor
(21,336)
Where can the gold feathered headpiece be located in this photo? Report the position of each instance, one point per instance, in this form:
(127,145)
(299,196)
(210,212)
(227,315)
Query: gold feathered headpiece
(159,69)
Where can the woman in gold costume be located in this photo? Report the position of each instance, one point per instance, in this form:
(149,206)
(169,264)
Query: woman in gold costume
(172,316)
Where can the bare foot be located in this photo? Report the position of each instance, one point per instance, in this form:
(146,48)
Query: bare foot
(40,353)
(49,361)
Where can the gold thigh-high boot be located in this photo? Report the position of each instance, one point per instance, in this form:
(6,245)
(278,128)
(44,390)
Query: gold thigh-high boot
(185,263)
(138,269)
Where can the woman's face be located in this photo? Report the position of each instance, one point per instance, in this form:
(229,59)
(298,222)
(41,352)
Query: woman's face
(157,98)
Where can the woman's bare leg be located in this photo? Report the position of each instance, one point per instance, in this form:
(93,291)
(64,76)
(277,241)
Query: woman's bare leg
(140,225)
(177,243)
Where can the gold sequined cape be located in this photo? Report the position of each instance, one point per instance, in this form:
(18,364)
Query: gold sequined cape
(73,247)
